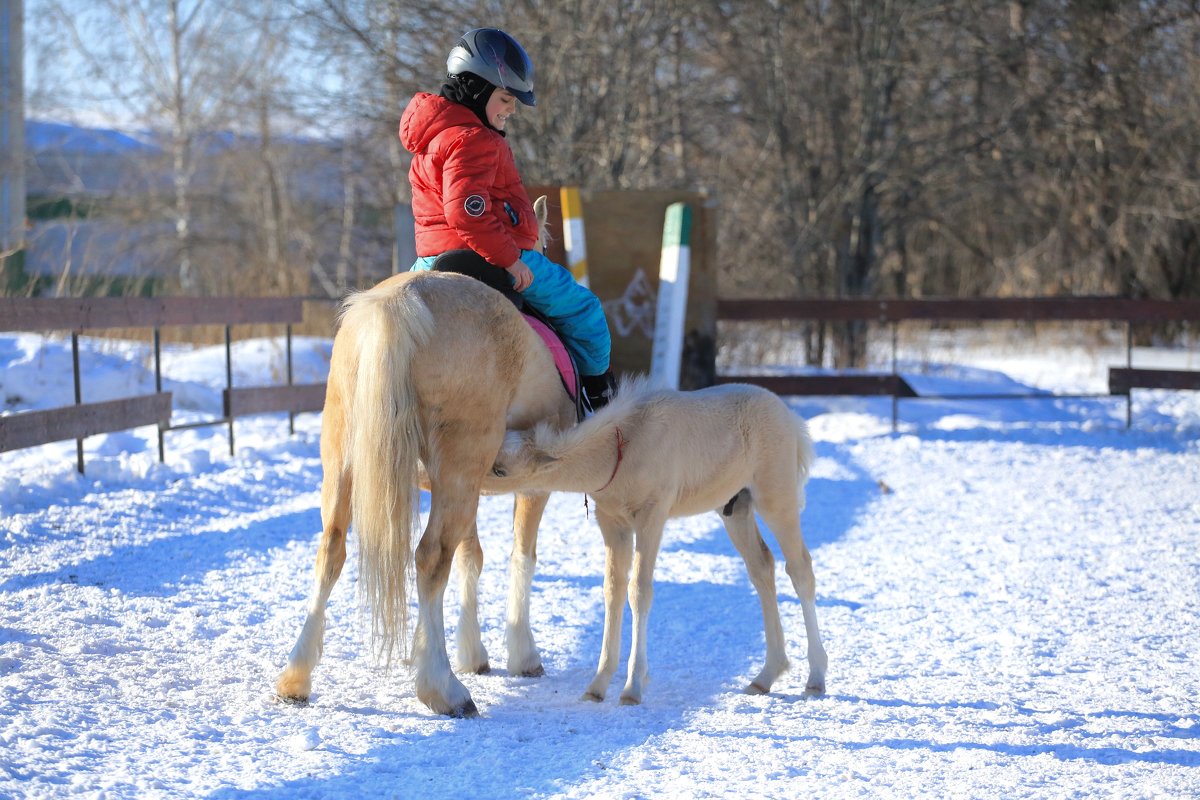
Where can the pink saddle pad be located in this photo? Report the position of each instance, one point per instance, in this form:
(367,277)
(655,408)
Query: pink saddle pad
(562,359)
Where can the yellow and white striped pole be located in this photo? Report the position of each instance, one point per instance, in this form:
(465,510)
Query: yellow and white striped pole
(573,241)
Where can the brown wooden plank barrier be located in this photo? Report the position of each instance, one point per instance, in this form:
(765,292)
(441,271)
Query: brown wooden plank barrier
(1121,380)
(1029,309)
(78,314)
(1017,309)
(247,401)
(31,428)
(866,384)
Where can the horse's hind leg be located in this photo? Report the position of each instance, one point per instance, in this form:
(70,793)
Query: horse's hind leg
(760,564)
(453,504)
(780,509)
(295,682)
(523,656)
(472,657)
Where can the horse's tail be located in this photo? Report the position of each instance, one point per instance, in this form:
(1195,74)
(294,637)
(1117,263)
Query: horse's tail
(388,327)
(805,455)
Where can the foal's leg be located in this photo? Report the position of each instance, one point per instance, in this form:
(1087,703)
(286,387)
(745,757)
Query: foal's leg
(649,525)
(760,564)
(295,682)
(472,656)
(618,546)
(453,504)
(779,507)
(523,656)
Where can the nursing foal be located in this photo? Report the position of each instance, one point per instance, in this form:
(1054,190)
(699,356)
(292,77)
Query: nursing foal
(654,454)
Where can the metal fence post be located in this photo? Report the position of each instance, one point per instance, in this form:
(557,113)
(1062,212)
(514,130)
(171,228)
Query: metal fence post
(1129,365)
(895,391)
(162,453)
(229,383)
(291,414)
(78,395)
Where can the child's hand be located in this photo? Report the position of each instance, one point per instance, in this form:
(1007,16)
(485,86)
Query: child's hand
(521,274)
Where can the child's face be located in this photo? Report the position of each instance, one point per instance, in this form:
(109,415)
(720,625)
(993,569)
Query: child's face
(500,106)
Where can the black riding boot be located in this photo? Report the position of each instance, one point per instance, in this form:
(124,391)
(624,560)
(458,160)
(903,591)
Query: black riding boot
(599,389)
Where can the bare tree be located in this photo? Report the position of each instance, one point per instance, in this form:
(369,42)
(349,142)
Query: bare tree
(176,66)
(901,147)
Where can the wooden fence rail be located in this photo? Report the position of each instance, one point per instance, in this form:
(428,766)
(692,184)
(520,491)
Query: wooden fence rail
(896,311)
(1063,309)
(76,315)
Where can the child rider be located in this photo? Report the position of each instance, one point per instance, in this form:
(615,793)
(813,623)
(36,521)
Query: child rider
(467,193)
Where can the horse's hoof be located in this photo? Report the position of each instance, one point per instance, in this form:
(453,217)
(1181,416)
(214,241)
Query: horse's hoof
(756,688)
(593,697)
(629,700)
(466,711)
(814,690)
(293,686)
(291,700)
(532,672)
(484,669)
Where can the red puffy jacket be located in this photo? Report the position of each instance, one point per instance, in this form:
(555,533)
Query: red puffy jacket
(466,192)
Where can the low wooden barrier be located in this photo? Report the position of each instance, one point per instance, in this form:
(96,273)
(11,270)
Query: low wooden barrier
(31,428)
(1121,380)
(76,315)
(895,311)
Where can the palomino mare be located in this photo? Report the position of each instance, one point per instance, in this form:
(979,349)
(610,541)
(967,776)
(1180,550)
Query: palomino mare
(651,455)
(428,371)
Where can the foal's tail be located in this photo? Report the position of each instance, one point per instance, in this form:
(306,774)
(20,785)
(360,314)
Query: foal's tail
(388,326)
(805,455)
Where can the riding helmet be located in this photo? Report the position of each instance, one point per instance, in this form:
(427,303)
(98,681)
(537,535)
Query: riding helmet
(497,58)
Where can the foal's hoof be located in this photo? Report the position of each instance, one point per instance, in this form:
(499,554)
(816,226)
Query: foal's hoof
(814,690)
(532,672)
(592,697)
(629,700)
(756,688)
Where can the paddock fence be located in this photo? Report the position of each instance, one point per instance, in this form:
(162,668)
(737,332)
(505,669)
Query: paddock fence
(893,313)
(81,420)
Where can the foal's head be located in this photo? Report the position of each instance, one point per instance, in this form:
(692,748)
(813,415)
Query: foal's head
(521,456)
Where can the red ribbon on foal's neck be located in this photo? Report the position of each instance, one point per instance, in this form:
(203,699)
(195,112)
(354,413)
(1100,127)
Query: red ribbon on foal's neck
(620,455)
(616,466)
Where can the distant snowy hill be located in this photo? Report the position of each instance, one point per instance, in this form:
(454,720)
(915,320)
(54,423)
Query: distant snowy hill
(58,137)
(81,183)
(68,161)
(71,160)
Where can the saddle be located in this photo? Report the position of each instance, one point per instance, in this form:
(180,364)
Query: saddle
(473,265)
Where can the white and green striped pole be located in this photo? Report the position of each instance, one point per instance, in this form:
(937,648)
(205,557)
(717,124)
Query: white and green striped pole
(573,241)
(673,271)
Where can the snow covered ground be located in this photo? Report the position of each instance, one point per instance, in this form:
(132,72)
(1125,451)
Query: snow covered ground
(1008,592)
